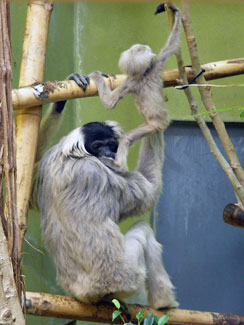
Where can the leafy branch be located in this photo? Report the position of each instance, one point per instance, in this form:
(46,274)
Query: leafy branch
(151,319)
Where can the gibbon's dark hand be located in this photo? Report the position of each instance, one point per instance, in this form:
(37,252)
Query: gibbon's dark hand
(161,8)
(81,80)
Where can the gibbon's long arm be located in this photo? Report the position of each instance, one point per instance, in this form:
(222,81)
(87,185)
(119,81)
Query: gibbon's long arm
(146,187)
(109,97)
(172,43)
(51,120)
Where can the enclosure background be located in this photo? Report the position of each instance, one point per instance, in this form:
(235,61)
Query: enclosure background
(203,255)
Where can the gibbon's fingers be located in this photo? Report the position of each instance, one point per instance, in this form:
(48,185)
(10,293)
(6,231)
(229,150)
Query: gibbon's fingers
(82,80)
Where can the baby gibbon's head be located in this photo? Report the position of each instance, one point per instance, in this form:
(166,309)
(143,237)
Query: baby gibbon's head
(136,60)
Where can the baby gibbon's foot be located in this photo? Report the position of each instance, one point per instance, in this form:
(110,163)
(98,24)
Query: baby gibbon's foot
(96,75)
(122,165)
(173,304)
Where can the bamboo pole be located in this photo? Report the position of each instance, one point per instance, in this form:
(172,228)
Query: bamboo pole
(27,121)
(66,307)
(38,94)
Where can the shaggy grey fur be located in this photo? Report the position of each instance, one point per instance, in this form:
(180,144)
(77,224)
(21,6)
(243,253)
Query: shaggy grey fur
(82,199)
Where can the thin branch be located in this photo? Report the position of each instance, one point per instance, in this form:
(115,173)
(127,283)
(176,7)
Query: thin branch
(202,124)
(41,93)
(207,97)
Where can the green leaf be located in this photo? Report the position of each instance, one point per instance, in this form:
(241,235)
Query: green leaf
(139,315)
(162,320)
(156,319)
(116,303)
(149,320)
(115,314)
(242,115)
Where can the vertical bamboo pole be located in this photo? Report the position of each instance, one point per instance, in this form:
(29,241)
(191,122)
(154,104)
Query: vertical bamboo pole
(27,120)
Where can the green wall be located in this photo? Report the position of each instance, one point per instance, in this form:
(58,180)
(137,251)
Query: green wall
(86,37)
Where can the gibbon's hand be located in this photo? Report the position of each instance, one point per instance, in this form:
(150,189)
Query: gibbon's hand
(81,80)
(161,8)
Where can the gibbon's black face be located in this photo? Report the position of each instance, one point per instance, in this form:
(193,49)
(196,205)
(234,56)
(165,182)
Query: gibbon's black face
(100,140)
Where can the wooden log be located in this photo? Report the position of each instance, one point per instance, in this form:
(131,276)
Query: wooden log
(27,120)
(10,307)
(38,94)
(10,273)
(233,215)
(7,140)
(66,307)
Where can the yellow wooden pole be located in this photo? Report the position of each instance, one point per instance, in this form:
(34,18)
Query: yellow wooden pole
(27,120)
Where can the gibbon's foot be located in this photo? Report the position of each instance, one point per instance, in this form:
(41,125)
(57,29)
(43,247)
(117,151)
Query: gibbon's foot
(82,80)
(110,163)
(98,74)
(172,305)
(122,165)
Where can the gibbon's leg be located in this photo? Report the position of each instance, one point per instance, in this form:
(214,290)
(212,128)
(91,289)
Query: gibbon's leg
(143,255)
(160,288)
(135,242)
(128,139)
(108,97)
